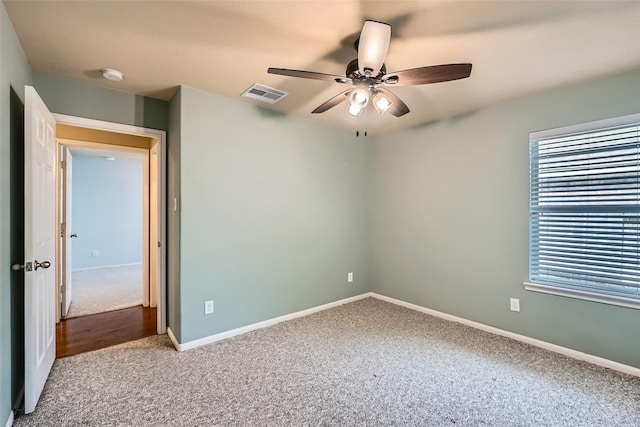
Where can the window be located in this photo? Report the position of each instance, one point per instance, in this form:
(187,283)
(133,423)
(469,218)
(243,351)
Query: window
(585,211)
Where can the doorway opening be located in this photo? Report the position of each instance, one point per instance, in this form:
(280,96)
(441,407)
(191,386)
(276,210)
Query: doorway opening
(102,208)
(110,211)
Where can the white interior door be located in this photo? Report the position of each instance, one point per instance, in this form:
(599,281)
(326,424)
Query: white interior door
(39,246)
(67,230)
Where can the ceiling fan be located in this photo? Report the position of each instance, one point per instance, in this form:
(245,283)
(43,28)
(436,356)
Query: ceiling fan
(368,74)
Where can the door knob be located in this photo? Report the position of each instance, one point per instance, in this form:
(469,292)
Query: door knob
(72,235)
(43,264)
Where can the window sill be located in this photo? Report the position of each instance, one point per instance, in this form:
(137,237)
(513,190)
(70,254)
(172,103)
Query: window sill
(583,295)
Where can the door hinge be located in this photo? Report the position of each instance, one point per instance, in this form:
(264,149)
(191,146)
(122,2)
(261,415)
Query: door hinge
(63,229)
(159,244)
(63,164)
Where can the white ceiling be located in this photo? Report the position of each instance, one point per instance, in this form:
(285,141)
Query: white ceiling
(222,47)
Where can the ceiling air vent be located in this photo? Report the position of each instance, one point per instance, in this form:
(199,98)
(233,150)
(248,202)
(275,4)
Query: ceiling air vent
(264,93)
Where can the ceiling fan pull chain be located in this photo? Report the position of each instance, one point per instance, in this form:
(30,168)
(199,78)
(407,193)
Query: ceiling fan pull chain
(365,121)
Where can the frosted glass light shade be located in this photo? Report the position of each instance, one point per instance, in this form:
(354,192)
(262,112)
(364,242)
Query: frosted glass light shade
(381,102)
(373,46)
(358,100)
(355,110)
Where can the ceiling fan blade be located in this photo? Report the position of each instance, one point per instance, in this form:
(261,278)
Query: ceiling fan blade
(309,75)
(398,108)
(424,75)
(372,46)
(333,101)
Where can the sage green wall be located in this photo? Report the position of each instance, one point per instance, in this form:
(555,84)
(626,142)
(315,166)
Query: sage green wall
(173,216)
(14,73)
(74,98)
(273,214)
(450,219)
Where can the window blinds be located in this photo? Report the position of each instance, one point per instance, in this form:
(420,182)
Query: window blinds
(585,210)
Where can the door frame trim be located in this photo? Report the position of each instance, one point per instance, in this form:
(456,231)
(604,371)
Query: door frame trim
(161,136)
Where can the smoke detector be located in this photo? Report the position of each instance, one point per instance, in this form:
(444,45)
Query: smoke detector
(112,74)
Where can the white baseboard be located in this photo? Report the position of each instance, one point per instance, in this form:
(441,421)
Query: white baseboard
(233,332)
(105,266)
(606,363)
(10,420)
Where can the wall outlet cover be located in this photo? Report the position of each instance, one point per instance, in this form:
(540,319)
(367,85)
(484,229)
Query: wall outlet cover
(208,307)
(515,304)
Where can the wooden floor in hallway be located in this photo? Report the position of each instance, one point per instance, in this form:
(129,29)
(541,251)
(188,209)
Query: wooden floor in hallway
(93,332)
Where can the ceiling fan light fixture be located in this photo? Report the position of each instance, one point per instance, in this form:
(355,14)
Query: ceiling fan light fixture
(368,73)
(359,97)
(358,100)
(373,46)
(354,110)
(381,102)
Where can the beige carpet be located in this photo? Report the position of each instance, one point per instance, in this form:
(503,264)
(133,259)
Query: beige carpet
(368,363)
(105,289)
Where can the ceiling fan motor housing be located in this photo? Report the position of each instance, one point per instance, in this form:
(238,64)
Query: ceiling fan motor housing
(353,71)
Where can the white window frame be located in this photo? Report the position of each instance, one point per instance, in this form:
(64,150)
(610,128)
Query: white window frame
(558,289)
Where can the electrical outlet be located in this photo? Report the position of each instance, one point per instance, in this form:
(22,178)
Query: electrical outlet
(350,277)
(208,307)
(515,304)
(95,253)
